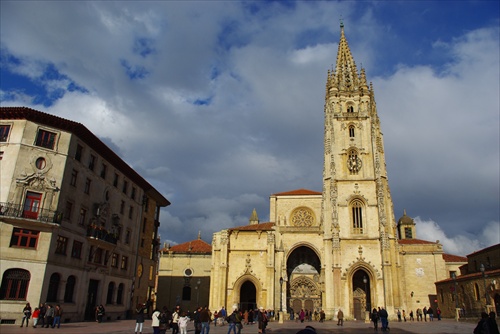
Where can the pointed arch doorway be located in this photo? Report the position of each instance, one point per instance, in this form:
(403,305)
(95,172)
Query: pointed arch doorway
(248,296)
(361,295)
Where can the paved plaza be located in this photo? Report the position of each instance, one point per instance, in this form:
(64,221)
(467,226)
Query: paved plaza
(445,326)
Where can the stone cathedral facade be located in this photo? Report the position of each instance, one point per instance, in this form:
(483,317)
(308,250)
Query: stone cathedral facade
(340,248)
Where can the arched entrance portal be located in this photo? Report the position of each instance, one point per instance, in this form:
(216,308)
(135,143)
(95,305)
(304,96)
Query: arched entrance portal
(361,294)
(248,296)
(304,277)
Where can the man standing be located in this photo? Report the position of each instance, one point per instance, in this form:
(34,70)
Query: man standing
(383,319)
(262,320)
(205,320)
(340,317)
(57,316)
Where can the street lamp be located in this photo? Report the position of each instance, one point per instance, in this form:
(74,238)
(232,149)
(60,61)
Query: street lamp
(281,294)
(454,276)
(484,281)
(197,287)
(365,280)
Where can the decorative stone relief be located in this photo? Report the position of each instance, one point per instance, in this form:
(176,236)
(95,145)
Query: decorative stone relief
(303,217)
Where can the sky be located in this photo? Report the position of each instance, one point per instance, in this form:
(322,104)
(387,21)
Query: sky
(219,104)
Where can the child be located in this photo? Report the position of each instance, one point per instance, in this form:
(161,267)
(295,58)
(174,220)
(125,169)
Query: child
(36,314)
(183,323)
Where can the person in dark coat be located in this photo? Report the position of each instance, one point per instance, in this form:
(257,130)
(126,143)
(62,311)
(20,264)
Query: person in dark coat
(374,317)
(139,320)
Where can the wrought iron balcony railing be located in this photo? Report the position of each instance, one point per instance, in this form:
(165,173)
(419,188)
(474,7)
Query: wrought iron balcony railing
(100,233)
(12,210)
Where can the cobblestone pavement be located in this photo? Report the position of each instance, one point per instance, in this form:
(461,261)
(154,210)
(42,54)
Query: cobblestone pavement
(446,326)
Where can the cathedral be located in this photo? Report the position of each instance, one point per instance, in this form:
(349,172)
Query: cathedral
(340,248)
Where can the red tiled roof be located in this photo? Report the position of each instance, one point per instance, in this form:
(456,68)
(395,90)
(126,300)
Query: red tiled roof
(414,241)
(254,227)
(195,246)
(453,258)
(298,192)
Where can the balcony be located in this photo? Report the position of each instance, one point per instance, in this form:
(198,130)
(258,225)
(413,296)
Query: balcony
(17,211)
(100,233)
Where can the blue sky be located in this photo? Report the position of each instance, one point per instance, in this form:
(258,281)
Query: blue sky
(220,103)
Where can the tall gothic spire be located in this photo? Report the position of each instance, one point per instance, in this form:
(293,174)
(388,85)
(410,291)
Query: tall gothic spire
(345,76)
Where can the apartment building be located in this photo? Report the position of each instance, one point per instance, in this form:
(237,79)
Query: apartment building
(78,225)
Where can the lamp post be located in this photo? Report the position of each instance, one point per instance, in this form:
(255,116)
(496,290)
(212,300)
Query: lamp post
(454,276)
(483,269)
(365,280)
(281,294)
(197,287)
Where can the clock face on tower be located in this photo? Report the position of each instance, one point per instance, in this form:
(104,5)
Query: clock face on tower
(354,164)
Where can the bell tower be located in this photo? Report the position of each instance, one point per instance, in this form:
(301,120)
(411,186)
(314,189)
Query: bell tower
(357,209)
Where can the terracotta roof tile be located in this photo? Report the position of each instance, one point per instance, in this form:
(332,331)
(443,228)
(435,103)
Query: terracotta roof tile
(254,227)
(454,258)
(298,192)
(195,246)
(414,241)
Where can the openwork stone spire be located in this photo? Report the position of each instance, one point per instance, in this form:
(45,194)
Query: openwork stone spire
(345,77)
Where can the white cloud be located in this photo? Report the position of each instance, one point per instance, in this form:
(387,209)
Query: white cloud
(264,67)
(461,243)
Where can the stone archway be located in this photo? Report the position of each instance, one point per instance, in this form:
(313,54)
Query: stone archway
(304,289)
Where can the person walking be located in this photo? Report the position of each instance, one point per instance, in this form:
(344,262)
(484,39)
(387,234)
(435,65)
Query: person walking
(36,314)
(438,313)
(41,316)
(183,323)
(424,311)
(197,321)
(374,318)
(26,314)
(175,319)
(205,320)
(430,312)
(49,316)
(302,315)
(231,321)
(404,315)
(340,317)
(262,320)
(383,319)
(99,313)
(419,314)
(155,321)
(57,316)
(139,319)
(482,326)
(492,323)
(411,316)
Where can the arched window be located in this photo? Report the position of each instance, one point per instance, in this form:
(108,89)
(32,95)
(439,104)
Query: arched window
(54,281)
(476,291)
(15,284)
(70,289)
(111,290)
(186,293)
(357,216)
(351,131)
(119,294)
(350,109)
